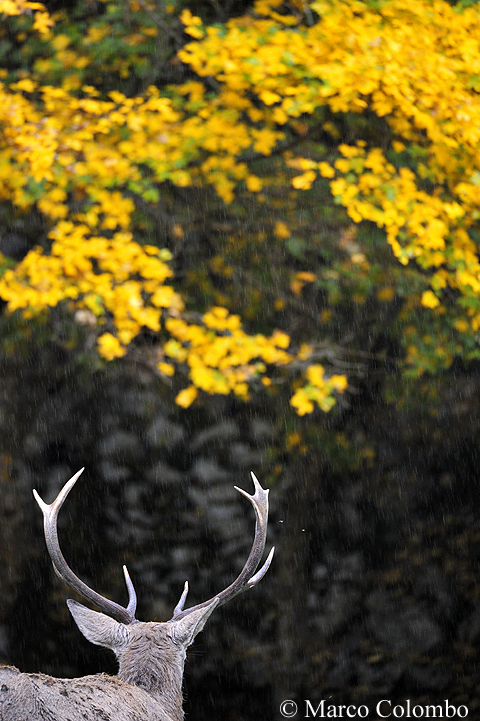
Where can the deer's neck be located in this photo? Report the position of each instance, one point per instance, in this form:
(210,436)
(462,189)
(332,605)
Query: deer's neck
(158,675)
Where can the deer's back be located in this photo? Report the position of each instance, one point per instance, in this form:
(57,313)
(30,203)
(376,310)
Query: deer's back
(37,697)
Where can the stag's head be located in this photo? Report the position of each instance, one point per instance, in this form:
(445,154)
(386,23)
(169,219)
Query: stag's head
(150,655)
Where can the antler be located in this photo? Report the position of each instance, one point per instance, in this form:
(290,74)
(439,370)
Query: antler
(249,575)
(50,513)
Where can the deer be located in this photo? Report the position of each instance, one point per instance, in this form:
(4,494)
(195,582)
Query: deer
(150,655)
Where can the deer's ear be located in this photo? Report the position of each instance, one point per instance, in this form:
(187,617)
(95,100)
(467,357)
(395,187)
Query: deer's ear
(185,629)
(99,628)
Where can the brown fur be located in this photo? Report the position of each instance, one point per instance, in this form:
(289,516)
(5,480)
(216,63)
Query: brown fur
(36,697)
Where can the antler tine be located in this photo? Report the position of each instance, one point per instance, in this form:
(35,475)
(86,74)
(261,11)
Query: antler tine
(132,596)
(247,577)
(179,607)
(50,514)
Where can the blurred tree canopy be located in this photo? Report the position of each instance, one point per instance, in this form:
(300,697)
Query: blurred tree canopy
(245,194)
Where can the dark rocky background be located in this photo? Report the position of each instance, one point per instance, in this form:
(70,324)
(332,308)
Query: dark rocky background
(373,592)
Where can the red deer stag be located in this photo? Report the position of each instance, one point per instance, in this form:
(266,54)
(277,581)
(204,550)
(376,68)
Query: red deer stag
(151,655)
